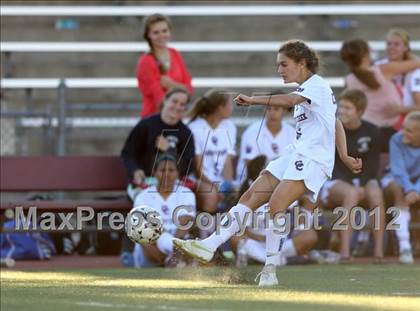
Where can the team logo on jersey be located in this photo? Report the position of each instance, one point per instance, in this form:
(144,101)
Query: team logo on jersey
(165,209)
(301,117)
(299,165)
(248,149)
(275,147)
(300,89)
(333,99)
(214,140)
(298,133)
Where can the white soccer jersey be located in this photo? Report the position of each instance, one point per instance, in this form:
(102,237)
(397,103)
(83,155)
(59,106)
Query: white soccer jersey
(166,208)
(411,85)
(398,80)
(258,140)
(214,145)
(315,123)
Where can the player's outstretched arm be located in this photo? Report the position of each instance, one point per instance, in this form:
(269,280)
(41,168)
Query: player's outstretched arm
(281,100)
(354,164)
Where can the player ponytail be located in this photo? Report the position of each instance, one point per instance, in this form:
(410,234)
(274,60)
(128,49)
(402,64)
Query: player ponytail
(352,53)
(208,103)
(298,51)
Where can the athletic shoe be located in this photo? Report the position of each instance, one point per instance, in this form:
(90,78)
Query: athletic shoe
(406,256)
(194,248)
(267,276)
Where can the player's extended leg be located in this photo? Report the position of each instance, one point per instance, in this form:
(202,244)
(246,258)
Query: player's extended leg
(236,219)
(284,195)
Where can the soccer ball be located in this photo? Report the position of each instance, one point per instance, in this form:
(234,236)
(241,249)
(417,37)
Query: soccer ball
(143,225)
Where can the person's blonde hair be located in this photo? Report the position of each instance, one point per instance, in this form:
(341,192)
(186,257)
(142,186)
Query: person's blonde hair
(208,103)
(403,35)
(413,116)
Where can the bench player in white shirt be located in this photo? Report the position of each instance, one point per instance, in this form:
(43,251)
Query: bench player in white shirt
(214,141)
(165,197)
(269,138)
(303,170)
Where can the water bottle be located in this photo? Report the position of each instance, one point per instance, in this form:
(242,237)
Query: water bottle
(241,254)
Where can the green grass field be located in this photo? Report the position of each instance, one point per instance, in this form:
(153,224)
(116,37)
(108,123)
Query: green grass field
(343,287)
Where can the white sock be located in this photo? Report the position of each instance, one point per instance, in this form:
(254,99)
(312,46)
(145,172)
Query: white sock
(209,228)
(164,243)
(255,250)
(288,249)
(275,237)
(403,233)
(236,213)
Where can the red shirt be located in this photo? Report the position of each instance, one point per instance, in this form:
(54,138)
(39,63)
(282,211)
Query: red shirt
(148,80)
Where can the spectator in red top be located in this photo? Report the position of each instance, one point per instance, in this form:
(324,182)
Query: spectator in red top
(162,68)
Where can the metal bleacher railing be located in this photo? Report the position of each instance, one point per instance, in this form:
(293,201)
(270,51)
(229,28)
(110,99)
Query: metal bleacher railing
(214,10)
(198,82)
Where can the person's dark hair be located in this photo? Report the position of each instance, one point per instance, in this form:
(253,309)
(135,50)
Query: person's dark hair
(352,53)
(174,90)
(208,103)
(167,156)
(356,97)
(148,22)
(254,168)
(298,51)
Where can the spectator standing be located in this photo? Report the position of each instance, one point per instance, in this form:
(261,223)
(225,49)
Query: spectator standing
(162,68)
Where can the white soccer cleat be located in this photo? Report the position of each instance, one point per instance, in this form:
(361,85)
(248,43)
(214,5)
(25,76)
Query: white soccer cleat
(194,248)
(406,256)
(267,276)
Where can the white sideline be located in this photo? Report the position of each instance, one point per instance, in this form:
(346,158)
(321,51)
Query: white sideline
(203,82)
(192,46)
(225,10)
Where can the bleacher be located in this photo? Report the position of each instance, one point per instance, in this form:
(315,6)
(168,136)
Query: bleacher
(93,50)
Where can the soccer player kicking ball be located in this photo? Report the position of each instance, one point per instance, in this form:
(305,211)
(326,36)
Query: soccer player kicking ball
(302,170)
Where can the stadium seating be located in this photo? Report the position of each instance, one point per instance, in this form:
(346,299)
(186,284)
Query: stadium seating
(95,174)
(99,65)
